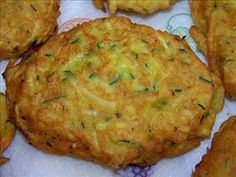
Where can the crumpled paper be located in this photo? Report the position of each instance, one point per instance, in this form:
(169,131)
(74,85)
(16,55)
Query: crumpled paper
(27,161)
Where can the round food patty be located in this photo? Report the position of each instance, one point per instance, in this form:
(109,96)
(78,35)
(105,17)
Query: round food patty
(114,92)
(25,24)
(7,129)
(220,160)
(146,7)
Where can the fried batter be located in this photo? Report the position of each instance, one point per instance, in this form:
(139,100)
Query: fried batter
(218,23)
(7,129)
(25,23)
(220,160)
(142,7)
(114,92)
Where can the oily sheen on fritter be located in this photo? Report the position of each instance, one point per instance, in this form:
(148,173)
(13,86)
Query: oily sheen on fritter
(146,7)
(7,129)
(114,92)
(220,160)
(25,23)
(217,23)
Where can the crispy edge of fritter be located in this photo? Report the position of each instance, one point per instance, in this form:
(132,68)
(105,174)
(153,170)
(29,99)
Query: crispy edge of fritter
(218,150)
(200,39)
(214,60)
(145,12)
(200,10)
(5,53)
(99,4)
(7,129)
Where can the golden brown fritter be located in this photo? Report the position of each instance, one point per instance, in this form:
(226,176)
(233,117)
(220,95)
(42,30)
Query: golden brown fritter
(7,129)
(142,7)
(217,21)
(115,93)
(25,23)
(201,10)
(220,160)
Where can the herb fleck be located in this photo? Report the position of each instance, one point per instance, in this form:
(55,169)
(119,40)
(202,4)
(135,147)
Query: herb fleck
(92,75)
(128,142)
(52,99)
(115,79)
(100,45)
(205,80)
(68,73)
(32,7)
(135,55)
(181,50)
(48,55)
(82,124)
(131,75)
(201,106)
(37,77)
(145,41)
(159,104)
(178,90)
(75,41)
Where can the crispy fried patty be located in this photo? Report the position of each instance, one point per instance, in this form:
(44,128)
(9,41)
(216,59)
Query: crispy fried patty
(218,23)
(114,92)
(142,7)
(25,23)
(220,160)
(7,129)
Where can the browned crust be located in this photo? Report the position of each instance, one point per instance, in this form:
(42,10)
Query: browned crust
(220,159)
(7,129)
(12,46)
(199,38)
(139,8)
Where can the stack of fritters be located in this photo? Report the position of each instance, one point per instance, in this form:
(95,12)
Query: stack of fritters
(114,92)
(215,33)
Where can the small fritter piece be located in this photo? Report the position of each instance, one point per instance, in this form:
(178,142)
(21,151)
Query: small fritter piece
(142,7)
(219,28)
(222,45)
(99,4)
(201,10)
(7,129)
(220,160)
(118,93)
(25,23)
(200,38)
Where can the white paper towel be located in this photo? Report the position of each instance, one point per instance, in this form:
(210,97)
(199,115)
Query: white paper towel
(26,161)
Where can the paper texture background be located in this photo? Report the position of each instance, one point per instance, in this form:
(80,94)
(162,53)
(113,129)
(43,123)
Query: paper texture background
(27,161)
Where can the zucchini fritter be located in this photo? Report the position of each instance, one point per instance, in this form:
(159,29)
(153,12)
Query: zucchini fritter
(220,160)
(25,23)
(7,129)
(145,7)
(114,92)
(216,20)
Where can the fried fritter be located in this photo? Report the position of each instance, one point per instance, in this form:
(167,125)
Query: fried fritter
(7,129)
(142,7)
(220,160)
(200,38)
(219,27)
(114,92)
(201,10)
(25,23)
